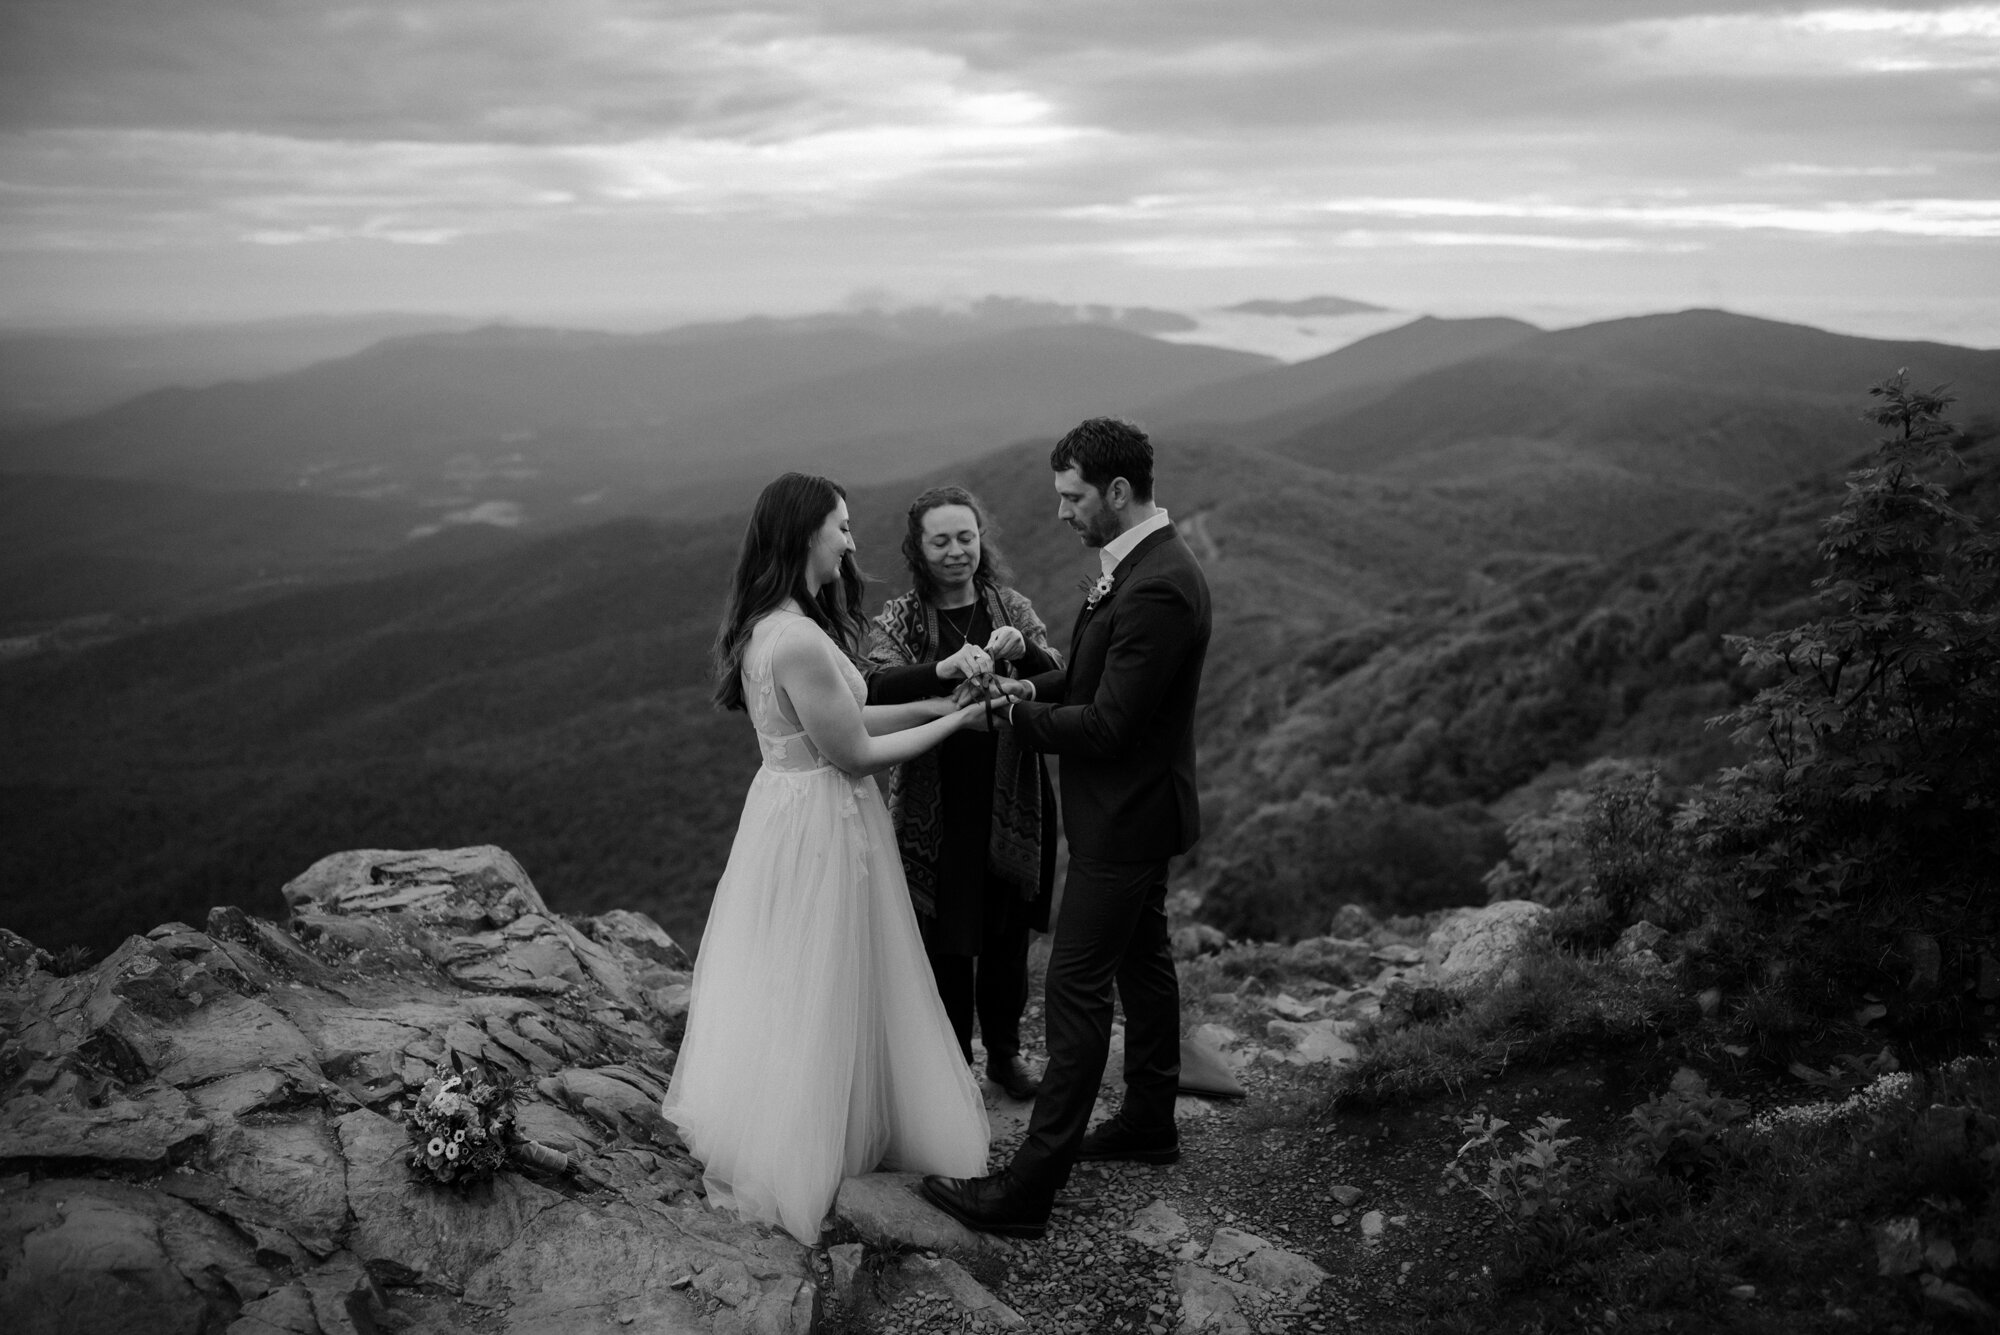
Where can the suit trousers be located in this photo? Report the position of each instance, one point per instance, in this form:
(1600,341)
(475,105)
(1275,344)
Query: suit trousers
(1111,938)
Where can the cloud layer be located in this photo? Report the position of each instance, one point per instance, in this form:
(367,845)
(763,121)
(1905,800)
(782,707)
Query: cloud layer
(1168,148)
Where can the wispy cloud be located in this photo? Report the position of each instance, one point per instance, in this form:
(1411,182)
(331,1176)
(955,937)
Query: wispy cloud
(1969,218)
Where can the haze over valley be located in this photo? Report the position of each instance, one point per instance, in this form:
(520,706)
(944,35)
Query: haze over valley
(457,586)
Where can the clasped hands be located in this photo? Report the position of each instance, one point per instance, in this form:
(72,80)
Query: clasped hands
(971,661)
(972,667)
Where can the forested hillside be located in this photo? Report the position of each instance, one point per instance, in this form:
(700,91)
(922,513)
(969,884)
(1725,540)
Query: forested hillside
(554,700)
(1381,761)
(1401,664)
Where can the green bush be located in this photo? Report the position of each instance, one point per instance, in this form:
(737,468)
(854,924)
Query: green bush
(1867,826)
(1607,853)
(1298,861)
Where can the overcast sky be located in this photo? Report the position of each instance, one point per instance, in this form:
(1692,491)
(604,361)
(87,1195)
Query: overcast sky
(643,160)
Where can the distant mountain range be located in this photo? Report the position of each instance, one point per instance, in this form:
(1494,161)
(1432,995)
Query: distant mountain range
(1305,306)
(55,374)
(543,417)
(1416,512)
(1303,393)
(51,375)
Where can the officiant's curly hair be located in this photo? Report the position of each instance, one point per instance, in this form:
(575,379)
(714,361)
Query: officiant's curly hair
(992,571)
(771,567)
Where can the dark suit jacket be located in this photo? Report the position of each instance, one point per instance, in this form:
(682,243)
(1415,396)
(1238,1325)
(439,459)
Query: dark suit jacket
(1121,714)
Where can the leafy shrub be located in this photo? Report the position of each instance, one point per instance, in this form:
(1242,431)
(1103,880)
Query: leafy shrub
(1879,735)
(1867,826)
(1681,1133)
(1552,1006)
(1606,853)
(1297,861)
(1532,1182)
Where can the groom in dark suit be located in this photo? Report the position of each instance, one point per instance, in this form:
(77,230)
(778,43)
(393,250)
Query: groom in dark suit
(1121,717)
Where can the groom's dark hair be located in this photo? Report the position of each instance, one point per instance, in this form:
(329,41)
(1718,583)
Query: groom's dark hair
(1104,448)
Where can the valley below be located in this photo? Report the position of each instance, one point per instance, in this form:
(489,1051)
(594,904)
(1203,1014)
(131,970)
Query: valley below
(1453,563)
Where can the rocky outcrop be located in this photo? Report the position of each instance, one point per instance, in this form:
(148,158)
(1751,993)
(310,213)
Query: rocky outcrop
(204,1132)
(1474,947)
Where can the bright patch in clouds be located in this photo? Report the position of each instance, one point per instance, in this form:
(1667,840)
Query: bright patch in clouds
(1820,41)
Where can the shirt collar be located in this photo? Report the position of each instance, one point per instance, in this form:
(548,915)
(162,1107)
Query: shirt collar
(1120,547)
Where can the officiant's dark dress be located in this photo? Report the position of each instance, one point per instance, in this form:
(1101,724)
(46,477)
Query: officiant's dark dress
(975,819)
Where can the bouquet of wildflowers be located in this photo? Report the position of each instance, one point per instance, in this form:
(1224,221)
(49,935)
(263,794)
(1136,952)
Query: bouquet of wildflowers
(459,1128)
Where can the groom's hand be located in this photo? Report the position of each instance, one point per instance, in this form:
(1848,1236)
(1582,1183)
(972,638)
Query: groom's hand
(988,686)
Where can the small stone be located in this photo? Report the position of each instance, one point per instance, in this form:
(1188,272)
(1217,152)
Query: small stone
(1158,1225)
(1898,1247)
(846,1261)
(1688,1082)
(1346,1195)
(1744,1291)
(1373,1224)
(1944,1299)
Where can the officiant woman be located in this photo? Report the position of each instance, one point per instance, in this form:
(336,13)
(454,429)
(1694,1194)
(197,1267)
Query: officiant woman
(975,818)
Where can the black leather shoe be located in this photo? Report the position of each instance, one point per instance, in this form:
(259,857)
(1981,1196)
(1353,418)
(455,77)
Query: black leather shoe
(1012,1075)
(994,1204)
(1114,1140)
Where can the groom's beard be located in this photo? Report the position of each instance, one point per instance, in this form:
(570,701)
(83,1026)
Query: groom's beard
(1099,532)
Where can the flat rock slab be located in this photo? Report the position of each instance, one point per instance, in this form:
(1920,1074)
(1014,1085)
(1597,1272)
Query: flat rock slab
(293,1167)
(1315,1040)
(422,1229)
(1157,1225)
(885,1210)
(142,1132)
(576,1268)
(109,1256)
(945,1278)
(1211,1302)
(1264,1265)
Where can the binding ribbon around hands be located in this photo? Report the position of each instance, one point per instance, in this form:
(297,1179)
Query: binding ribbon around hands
(989,688)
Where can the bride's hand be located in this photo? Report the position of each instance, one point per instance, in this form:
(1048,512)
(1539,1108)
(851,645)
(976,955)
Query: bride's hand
(975,717)
(969,661)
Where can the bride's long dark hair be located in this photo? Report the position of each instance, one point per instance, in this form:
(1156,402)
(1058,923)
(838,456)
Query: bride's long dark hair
(771,567)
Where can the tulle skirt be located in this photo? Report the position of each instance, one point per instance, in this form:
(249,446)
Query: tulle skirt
(816,1045)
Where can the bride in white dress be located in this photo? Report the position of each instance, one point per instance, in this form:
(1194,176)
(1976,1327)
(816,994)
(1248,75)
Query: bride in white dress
(816,1045)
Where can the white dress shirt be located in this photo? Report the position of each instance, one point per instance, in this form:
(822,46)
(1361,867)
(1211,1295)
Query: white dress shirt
(1120,547)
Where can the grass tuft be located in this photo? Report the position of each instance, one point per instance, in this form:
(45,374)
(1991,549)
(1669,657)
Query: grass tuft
(1551,1005)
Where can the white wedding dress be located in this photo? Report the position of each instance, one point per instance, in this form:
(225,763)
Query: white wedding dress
(816,1045)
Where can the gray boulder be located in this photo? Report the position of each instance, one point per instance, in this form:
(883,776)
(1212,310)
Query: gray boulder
(1474,948)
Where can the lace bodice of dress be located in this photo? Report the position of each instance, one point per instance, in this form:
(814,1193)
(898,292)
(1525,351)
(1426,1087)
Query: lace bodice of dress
(783,741)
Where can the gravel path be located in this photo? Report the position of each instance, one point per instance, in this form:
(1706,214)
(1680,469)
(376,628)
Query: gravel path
(1141,1248)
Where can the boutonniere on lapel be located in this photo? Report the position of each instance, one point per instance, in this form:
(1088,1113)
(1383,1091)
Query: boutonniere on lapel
(1093,594)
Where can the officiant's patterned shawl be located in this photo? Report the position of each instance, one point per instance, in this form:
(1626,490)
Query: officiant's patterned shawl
(905,633)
